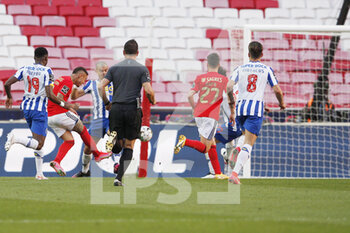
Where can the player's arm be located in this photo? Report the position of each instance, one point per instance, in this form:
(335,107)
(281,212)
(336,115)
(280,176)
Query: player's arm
(8,84)
(190,98)
(231,99)
(279,96)
(149,92)
(59,99)
(77,93)
(101,90)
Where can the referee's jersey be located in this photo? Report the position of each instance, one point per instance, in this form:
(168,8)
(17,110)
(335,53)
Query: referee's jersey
(99,108)
(252,79)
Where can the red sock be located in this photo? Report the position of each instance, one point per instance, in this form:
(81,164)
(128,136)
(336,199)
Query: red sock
(89,141)
(62,151)
(213,155)
(197,145)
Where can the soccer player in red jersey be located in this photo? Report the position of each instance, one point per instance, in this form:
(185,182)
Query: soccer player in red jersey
(206,112)
(63,121)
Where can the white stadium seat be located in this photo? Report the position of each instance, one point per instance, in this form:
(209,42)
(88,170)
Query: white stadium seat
(9,30)
(327,13)
(114,42)
(6,19)
(199,43)
(159,22)
(251,14)
(182,23)
(229,23)
(174,12)
(4,51)
(286,21)
(186,66)
(164,70)
(311,22)
(146,42)
(208,23)
(273,13)
(7,63)
(21,51)
(173,43)
(225,13)
(191,3)
(167,3)
(111,3)
(106,32)
(138,32)
(15,40)
(290,4)
(2,9)
(154,53)
(21,61)
(138,3)
(164,32)
(315,4)
(260,21)
(201,12)
(302,14)
(148,11)
(191,33)
(181,54)
(121,11)
(130,22)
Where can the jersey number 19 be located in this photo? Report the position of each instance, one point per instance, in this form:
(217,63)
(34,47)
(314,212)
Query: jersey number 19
(34,82)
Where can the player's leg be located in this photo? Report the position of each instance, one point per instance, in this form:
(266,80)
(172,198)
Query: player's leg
(68,143)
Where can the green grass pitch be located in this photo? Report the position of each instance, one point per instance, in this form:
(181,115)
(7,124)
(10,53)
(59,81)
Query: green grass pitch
(266,205)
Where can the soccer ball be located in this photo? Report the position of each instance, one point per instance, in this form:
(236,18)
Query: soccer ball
(145,133)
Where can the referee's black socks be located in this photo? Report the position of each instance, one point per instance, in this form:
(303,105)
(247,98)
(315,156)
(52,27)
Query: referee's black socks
(124,162)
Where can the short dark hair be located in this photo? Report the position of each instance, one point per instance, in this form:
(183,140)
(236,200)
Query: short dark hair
(213,60)
(131,47)
(40,52)
(255,49)
(80,68)
(222,71)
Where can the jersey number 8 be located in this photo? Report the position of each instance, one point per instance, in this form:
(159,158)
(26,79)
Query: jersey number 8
(252,79)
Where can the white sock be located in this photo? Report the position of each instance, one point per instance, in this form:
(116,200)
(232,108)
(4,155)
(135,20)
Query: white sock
(86,158)
(229,149)
(39,162)
(210,166)
(242,157)
(27,142)
(240,141)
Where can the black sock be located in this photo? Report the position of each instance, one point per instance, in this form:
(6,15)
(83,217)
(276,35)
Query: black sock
(124,162)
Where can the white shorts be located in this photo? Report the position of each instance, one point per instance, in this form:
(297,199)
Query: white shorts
(62,122)
(206,127)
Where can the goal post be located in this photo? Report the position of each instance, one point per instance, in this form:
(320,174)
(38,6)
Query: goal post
(300,142)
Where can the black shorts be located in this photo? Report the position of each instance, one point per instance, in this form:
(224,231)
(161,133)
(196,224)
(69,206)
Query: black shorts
(126,120)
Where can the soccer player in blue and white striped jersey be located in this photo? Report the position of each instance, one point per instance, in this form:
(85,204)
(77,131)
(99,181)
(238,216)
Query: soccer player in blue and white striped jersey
(37,79)
(251,79)
(100,123)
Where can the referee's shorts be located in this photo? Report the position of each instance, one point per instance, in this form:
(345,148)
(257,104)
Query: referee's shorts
(126,119)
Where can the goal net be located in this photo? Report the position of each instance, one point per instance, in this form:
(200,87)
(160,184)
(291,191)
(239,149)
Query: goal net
(311,137)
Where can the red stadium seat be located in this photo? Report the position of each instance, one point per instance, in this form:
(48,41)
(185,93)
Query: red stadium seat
(158,87)
(273,44)
(38,2)
(59,31)
(283,77)
(311,55)
(70,10)
(13,2)
(17,87)
(19,10)
(67,41)
(347,78)
(177,87)
(59,64)
(300,44)
(96,11)
(62,3)
(93,42)
(216,3)
(225,54)
(216,33)
(86,63)
(181,98)
(294,36)
(101,54)
(303,77)
(262,4)
(5,74)
(284,55)
(104,22)
(339,89)
(53,21)
(74,53)
(221,43)
(58,73)
(89,3)
(165,99)
(288,89)
(86,31)
(267,35)
(45,10)
(341,100)
(45,41)
(191,76)
(239,4)
(79,21)
(27,20)
(54,52)
(33,30)
(295,101)
(305,89)
(201,54)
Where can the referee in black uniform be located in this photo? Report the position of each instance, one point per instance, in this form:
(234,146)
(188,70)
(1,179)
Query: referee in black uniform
(128,77)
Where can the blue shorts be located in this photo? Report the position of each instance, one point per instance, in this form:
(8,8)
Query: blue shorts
(37,121)
(99,127)
(226,133)
(251,123)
